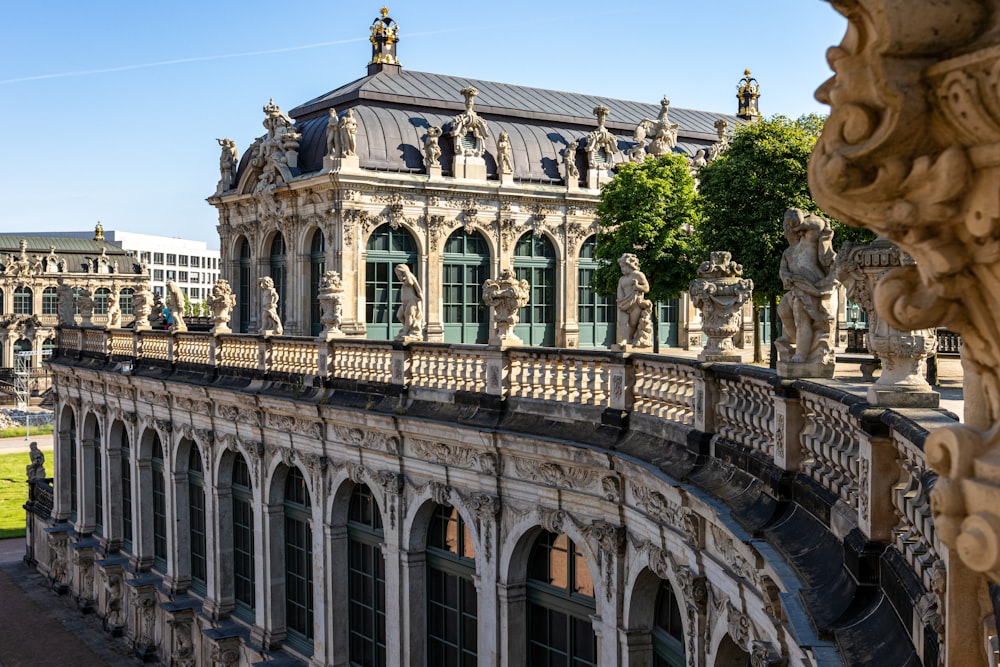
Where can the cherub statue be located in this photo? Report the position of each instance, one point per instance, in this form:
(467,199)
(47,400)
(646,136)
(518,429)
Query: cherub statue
(505,296)
(270,321)
(411,310)
(432,150)
(114,309)
(505,159)
(635,325)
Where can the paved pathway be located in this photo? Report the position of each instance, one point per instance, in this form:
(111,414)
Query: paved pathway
(20,444)
(40,628)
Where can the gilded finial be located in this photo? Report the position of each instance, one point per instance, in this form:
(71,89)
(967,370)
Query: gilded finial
(747,93)
(99,231)
(385,10)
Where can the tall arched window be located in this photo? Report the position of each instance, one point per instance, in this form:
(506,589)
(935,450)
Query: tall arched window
(98,482)
(560,604)
(535,261)
(298,561)
(668,631)
(386,248)
(126,463)
(125,301)
(50,301)
(243,298)
(596,314)
(196,520)
(101,298)
(366,587)
(74,479)
(279,271)
(23,301)
(452,637)
(317,265)
(159,492)
(243,543)
(466,268)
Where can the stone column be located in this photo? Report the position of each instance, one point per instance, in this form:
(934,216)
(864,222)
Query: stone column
(903,353)
(719,292)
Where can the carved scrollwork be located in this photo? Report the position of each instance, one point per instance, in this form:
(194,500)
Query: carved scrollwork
(553,473)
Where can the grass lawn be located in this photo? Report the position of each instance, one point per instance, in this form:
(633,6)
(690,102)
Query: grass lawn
(14,492)
(18,431)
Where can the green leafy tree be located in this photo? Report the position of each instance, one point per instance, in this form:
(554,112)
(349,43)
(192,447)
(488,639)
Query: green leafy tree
(649,209)
(744,193)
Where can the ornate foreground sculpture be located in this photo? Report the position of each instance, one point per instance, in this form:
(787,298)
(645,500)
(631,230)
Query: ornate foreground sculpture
(270,321)
(505,296)
(806,317)
(411,305)
(909,151)
(720,292)
(35,469)
(221,301)
(85,304)
(903,353)
(175,304)
(635,311)
(331,302)
(142,306)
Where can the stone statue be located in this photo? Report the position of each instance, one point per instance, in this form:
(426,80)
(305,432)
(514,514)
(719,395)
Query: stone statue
(85,304)
(331,301)
(348,134)
(468,129)
(142,306)
(175,304)
(806,271)
(505,296)
(569,159)
(270,321)
(65,305)
(35,469)
(102,263)
(505,158)
(228,161)
(720,292)
(664,132)
(411,311)
(332,134)
(114,309)
(638,152)
(51,261)
(432,150)
(221,301)
(635,311)
(19,265)
(601,144)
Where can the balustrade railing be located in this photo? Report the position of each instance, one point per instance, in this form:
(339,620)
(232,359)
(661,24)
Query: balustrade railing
(803,427)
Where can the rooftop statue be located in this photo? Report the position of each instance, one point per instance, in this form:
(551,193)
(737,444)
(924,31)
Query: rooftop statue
(468,129)
(221,301)
(228,161)
(270,321)
(432,149)
(411,309)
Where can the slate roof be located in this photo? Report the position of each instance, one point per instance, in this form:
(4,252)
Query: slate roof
(40,245)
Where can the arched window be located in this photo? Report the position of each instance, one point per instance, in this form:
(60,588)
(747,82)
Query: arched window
(596,314)
(98,482)
(668,632)
(298,561)
(279,271)
(101,298)
(126,463)
(243,543)
(196,520)
(466,268)
(23,301)
(535,261)
(366,587)
(48,348)
(386,247)
(560,604)
(317,265)
(74,458)
(243,298)
(159,491)
(125,301)
(50,301)
(452,637)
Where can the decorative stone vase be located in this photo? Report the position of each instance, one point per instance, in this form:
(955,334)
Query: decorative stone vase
(331,301)
(720,292)
(903,353)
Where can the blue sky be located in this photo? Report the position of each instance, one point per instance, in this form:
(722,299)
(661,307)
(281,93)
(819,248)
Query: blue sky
(112,109)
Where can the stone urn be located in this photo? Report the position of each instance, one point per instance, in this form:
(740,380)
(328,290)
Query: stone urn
(719,292)
(903,353)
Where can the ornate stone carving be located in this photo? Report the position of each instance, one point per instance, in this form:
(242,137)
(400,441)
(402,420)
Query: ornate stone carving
(657,505)
(505,156)
(366,439)
(738,624)
(432,149)
(719,292)
(221,301)
(635,311)
(610,540)
(662,132)
(392,486)
(270,321)
(554,474)
(505,295)
(468,129)
(411,305)
(726,548)
(551,520)
(763,654)
(486,509)
(601,144)
(331,300)
(806,316)
(228,161)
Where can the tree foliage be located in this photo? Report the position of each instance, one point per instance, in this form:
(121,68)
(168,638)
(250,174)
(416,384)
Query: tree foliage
(649,209)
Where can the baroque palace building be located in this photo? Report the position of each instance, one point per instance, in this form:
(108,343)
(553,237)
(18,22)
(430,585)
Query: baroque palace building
(240,499)
(455,178)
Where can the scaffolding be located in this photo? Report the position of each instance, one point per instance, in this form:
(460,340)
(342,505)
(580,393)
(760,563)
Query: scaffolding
(23,367)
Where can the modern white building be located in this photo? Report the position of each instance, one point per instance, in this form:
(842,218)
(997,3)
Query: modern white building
(190,263)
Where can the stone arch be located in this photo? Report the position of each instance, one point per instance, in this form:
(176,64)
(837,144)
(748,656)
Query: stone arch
(416,522)
(728,653)
(343,486)
(641,595)
(419,237)
(520,538)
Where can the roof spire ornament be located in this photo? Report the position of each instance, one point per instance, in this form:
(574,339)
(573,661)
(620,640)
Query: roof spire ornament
(99,231)
(385,35)
(747,93)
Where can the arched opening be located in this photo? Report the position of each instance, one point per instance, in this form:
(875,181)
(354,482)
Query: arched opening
(74,475)
(595,313)
(244,578)
(243,286)
(126,497)
(366,581)
(98,478)
(298,562)
(101,299)
(23,301)
(50,301)
(535,261)
(452,637)
(730,654)
(386,248)
(317,266)
(278,263)
(668,629)
(159,498)
(197,533)
(560,604)
(466,268)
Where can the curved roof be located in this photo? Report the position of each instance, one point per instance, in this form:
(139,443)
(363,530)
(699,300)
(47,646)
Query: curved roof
(394,109)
